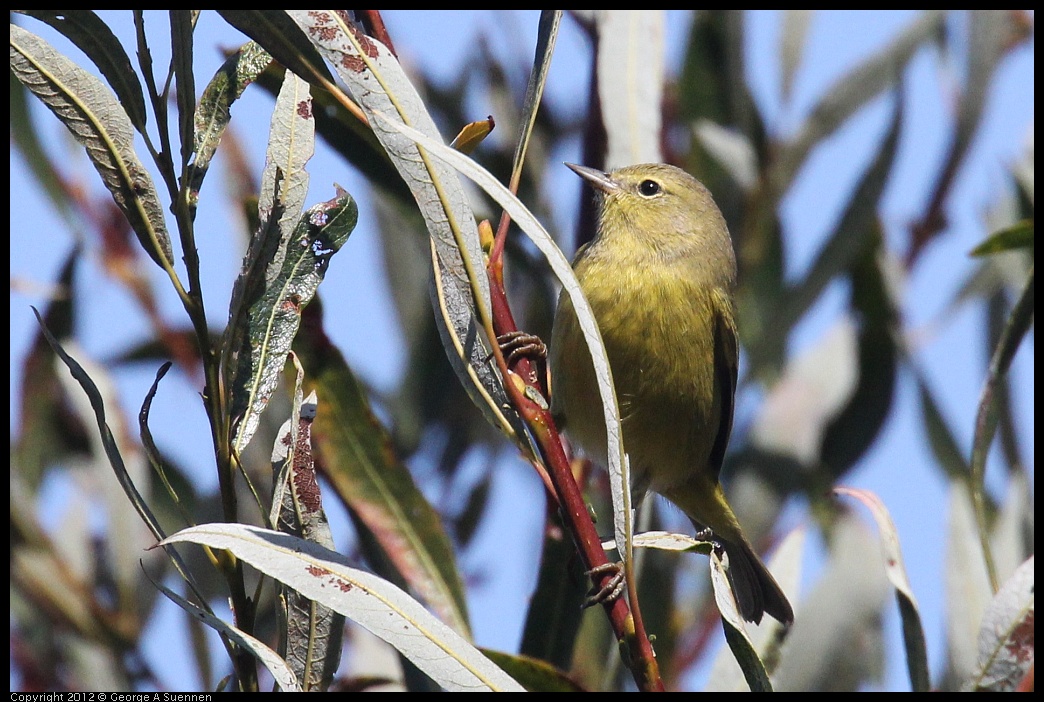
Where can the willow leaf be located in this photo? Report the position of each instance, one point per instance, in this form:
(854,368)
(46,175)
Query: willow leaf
(213,110)
(274,315)
(735,632)
(362,467)
(280,671)
(278,278)
(373,603)
(94,38)
(461,292)
(547,35)
(282,38)
(313,631)
(851,92)
(895,569)
(98,121)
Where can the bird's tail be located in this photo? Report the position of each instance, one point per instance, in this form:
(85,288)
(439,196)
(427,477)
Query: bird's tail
(757,592)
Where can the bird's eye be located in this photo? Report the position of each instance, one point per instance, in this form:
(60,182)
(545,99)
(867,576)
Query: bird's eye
(648,188)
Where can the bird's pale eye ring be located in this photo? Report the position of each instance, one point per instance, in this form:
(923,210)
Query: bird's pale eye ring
(649,188)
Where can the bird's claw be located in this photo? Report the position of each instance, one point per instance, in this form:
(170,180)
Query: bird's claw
(518,344)
(612,589)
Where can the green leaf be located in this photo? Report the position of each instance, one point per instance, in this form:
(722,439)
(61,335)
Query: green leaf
(285,264)
(98,121)
(534,674)
(850,93)
(986,418)
(273,316)
(213,111)
(735,632)
(547,35)
(181,45)
(1017,236)
(281,672)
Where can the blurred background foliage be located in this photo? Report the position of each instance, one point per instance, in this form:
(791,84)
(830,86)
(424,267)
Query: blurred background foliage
(811,412)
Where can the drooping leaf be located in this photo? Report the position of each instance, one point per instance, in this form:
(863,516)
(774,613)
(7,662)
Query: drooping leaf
(280,671)
(735,632)
(375,604)
(98,121)
(895,569)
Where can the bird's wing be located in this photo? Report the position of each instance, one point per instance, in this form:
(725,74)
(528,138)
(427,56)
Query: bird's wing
(726,371)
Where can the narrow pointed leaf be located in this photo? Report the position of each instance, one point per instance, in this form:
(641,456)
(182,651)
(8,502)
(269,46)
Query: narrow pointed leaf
(1017,236)
(280,671)
(461,291)
(851,92)
(547,35)
(375,604)
(895,569)
(93,37)
(735,632)
(181,45)
(792,45)
(214,109)
(274,313)
(98,121)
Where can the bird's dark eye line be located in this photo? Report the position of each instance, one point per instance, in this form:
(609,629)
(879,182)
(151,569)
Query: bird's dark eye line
(648,188)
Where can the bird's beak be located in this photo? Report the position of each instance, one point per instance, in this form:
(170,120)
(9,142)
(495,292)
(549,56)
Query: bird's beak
(597,179)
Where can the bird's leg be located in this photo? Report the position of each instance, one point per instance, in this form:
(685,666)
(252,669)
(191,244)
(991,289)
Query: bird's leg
(613,587)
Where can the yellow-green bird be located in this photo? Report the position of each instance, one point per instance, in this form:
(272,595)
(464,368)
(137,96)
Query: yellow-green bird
(659,275)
